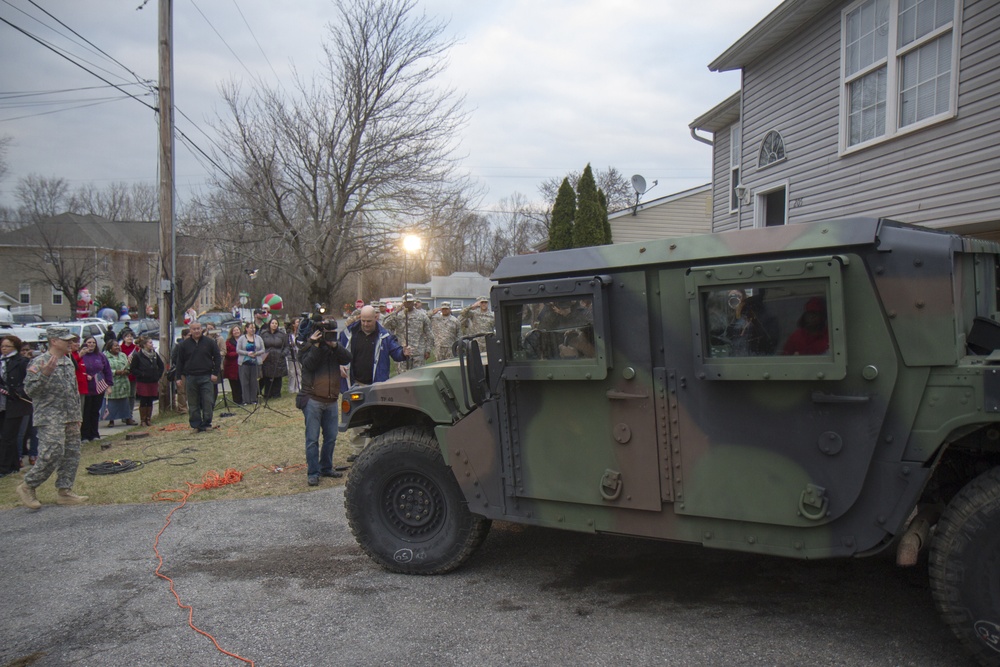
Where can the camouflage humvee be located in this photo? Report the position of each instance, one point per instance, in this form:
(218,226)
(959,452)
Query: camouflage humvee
(810,391)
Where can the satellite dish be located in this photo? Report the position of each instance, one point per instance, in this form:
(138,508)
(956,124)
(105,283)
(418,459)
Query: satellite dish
(638,184)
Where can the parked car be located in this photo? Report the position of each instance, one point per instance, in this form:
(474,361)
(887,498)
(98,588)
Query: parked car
(143,327)
(82,329)
(31,335)
(221,319)
(27,318)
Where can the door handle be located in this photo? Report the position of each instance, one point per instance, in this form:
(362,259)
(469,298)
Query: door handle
(820,397)
(623,395)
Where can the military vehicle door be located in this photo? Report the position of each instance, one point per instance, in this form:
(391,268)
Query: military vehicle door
(783,374)
(577,401)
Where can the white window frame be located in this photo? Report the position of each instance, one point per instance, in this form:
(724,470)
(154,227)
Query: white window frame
(735,155)
(893,64)
(760,149)
(57,297)
(22,290)
(760,195)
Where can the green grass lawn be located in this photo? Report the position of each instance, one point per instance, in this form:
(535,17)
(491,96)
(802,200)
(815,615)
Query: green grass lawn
(267,446)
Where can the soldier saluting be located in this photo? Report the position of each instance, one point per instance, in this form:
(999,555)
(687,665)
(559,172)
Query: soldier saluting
(413,326)
(51,384)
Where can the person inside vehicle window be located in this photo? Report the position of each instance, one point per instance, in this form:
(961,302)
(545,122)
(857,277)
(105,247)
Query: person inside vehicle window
(812,336)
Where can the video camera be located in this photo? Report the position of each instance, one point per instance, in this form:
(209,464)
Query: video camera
(329,331)
(308,323)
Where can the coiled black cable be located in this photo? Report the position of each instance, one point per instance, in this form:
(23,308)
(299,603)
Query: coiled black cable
(114,467)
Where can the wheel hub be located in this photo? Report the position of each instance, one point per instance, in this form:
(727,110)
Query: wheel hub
(412,505)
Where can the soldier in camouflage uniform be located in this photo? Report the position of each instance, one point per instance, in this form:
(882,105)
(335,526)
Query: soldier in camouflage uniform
(51,384)
(477,318)
(446,331)
(412,327)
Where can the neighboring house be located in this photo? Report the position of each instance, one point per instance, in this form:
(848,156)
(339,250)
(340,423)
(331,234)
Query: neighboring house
(107,253)
(461,289)
(680,214)
(887,108)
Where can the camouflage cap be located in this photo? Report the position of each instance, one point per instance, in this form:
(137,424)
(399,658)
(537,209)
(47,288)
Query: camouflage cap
(407,297)
(62,333)
(445,304)
(483,298)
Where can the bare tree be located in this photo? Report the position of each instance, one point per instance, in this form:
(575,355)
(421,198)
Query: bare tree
(616,187)
(54,260)
(134,287)
(5,142)
(41,197)
(328,177)
(192,277)
(117,201)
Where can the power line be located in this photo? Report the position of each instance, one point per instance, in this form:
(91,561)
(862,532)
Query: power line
(71,108)
(60,34)
(61,55)
(100,50)
(261,48)
(223,39)
(15,94)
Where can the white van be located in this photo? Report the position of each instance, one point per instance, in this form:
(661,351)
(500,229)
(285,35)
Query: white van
(6,319)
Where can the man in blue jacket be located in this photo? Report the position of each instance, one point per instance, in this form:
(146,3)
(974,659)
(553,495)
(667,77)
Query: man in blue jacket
(371,347)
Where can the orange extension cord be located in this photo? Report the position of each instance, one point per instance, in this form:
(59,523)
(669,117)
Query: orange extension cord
(211,480)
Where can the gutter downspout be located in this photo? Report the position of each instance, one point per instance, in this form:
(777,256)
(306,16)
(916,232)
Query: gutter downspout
(698,137)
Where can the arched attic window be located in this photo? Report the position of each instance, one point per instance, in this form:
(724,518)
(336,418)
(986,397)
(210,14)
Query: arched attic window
(772,149)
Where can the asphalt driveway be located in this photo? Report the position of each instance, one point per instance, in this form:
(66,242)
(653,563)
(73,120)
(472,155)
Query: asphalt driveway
(281,581)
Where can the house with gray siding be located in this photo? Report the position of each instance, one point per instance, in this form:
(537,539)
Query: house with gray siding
(888,108)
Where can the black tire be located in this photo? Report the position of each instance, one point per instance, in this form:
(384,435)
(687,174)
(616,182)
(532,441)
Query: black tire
(965,566)
(431,531)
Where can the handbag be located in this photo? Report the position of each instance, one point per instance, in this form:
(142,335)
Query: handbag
(301,401)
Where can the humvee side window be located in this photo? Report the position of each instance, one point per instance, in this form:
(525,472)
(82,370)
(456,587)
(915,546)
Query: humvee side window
(778,320)
(554,330)
(751,320)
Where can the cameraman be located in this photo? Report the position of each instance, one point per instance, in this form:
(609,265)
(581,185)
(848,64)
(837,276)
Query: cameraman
(321,358)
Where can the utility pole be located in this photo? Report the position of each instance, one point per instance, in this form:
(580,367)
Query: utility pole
(167,252)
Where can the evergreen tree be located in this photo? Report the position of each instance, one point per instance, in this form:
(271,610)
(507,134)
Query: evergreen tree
(607,223)
(588,228)
(563,215)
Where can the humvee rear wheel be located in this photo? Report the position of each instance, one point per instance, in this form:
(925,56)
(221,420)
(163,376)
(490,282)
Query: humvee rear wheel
(965,566)
(405,508)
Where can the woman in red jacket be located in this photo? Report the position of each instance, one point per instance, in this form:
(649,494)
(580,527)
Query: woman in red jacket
(231,365)
(81,370)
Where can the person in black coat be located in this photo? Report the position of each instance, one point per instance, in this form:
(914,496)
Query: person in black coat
(147,367)
(15,406)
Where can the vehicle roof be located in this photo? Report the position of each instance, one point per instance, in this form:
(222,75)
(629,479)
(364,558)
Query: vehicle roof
(26,334)
(720,246)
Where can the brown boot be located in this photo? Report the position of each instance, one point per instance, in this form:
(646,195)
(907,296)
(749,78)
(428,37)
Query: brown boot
(145,414)
(67,497)
(27,496)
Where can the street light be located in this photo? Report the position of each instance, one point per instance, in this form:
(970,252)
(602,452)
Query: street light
(411,244)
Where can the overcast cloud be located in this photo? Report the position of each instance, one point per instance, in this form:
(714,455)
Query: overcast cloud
(550,84)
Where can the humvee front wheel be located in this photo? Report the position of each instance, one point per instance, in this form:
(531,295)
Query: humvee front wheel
(965,566)
(405,508)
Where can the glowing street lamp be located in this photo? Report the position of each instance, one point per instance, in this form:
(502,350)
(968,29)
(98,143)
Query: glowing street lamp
(411,244)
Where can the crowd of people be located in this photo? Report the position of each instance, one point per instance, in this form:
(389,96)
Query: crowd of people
(52,402)
(108,376)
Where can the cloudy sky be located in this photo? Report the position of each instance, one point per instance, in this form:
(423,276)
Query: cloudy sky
(550,84)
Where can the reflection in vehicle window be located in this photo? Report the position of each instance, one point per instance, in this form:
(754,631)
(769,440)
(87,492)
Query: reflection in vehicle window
(554,330)
(776,319)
